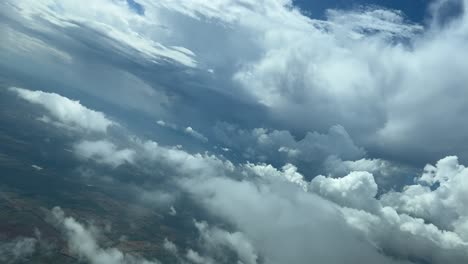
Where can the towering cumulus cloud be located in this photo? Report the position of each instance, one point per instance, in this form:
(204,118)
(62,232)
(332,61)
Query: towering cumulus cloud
(266,133)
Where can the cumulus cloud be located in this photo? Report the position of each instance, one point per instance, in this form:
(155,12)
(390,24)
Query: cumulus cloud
(214,237)
(388,175)
(280,146)
(172,211)
(166,124)
(160,198)
(103,151)
(83,242)
(188,130)
(285,224)
(181,161)
(195,257)
(369,69)
(318,218)
(433,220)
(195,134)
(170,246)
(438,197)
(67,112)
(17,250)
(288,172)
(354,190)
(364,77)
(414,225)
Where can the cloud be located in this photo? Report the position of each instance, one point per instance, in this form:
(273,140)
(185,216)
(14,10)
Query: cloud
(414,225)
(195,134)
(83,242)
(387,174)
(17,250)
(280,146)
(160,198)
(166,124)
(355,190)
(432,221)
(438,197)
(66,112)
(103,151)
(196,258)
(188,130)
(264,205)
(181,161)
(169,246)
(272,214)
(353,95)
(365,21)
(117,22)
(288,173)
(172,211)
(214,237)
(368,69)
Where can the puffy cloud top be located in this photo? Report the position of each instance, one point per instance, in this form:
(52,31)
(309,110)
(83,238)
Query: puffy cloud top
(68,112)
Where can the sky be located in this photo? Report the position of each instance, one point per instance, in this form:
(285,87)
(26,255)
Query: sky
(415,10)
(337,127)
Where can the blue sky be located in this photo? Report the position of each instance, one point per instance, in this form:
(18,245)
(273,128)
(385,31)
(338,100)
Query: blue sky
(137,7)
(415,10)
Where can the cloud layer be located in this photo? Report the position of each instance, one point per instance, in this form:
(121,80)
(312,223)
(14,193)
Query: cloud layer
(276,215)
(369,70)
(307,137)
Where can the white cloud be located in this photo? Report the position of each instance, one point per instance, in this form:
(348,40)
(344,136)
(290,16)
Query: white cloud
(236,241)
(83,242)
(195,134)
(369,70)
(280,146)
(379,21)
(438,198)
(268,210)
(288,172)
(170,246)
(172,211)
(356,190)
(160,198)
(196,258)
(167,124)
(103,151)
(290,152)
(283,224)
(36,167)
(183,162)
(112,19)
(387,174)
(188,130)
(325,216)
(431,221)
(372,72)
(65,111)
(17,250)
